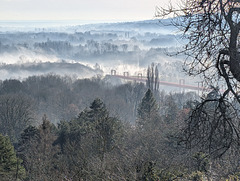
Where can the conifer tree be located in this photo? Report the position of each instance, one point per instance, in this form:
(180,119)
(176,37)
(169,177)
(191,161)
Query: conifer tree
(148,116)
(37,151)
(103,125)
(10,165)
(97,111)
(150,134)
(88,141)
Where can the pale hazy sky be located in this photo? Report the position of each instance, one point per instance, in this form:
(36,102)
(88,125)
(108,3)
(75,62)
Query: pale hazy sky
(78,9)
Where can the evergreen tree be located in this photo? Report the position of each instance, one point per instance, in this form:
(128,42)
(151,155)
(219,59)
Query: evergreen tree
(88,141)
(25,148)
(148,116)
(103,126)
(37,151)
(97,111)
(10,165)
(150,137)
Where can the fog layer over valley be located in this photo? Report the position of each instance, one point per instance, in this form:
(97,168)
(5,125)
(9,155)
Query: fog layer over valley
(107,102)
(89,50)
(120,101)
(51,63)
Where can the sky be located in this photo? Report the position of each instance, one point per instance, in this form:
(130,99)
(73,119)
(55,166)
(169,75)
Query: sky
(97,10)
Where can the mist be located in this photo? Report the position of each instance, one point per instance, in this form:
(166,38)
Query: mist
(90,50)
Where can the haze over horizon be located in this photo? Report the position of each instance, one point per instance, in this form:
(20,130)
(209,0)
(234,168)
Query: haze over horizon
(91,10)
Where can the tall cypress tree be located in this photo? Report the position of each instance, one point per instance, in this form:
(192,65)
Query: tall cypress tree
(10,165)
(152,78)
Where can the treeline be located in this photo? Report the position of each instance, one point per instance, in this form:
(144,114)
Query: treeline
(62,98)
(101,132)
(89,45)
(90,49)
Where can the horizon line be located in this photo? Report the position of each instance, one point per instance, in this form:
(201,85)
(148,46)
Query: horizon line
(83,20)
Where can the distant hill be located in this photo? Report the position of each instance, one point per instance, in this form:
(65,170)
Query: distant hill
(158,26)
(24,70)
(123,46)
(155,25)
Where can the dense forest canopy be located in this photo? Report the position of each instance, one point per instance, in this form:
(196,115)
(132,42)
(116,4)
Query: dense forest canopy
(88,132)
(86,129)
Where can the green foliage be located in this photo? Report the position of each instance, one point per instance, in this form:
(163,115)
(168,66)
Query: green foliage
(149,172)
(166,175)
(148,116)
(31,132)
(234,177)
(197,176)
(201,161)
(97,146)
(10,165)
(102,127)
(37,151)
(87,140)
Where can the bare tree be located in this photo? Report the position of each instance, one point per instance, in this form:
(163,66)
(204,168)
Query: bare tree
(211,28)
(16,113)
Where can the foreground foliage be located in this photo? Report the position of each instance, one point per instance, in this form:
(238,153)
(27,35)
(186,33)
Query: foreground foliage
(10,165)
(97,143)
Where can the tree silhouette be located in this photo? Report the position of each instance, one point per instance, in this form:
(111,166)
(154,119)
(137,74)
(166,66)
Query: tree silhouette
(88,141)
(16,113)
(37,151)
(152,78)
(148,116)
(10,165)
(211,28)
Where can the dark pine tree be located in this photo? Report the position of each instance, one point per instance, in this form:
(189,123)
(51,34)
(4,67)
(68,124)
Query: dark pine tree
(148,116)
(10,165)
